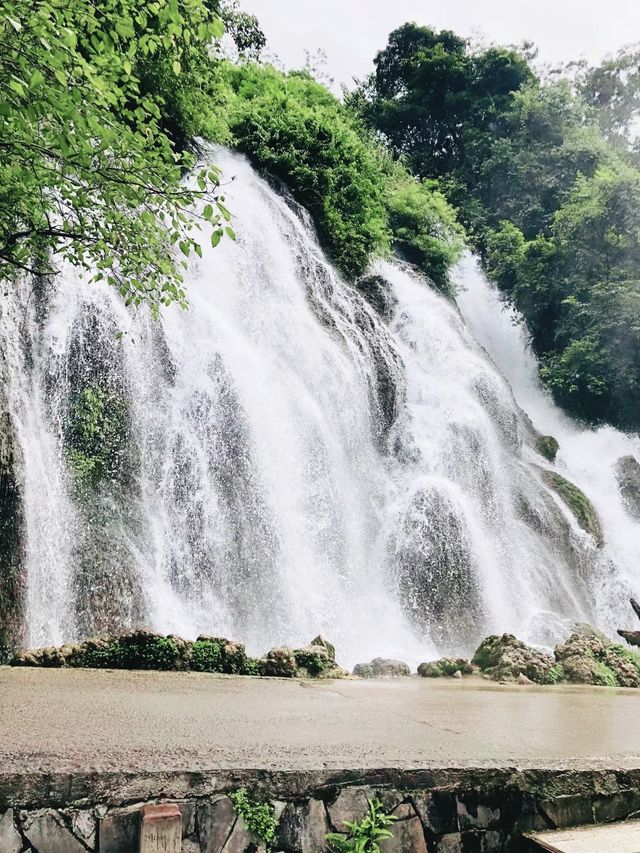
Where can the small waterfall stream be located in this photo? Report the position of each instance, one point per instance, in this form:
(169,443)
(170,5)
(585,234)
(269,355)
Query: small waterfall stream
(290,460)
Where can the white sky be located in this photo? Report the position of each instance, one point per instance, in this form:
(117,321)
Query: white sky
(352,31)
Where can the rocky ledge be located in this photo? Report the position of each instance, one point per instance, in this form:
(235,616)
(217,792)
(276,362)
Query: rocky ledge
(143,649)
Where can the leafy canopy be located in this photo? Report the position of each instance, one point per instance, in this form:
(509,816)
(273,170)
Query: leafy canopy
(89,171)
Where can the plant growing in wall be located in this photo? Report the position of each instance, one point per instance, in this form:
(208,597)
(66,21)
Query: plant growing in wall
(259,817)
(363,836)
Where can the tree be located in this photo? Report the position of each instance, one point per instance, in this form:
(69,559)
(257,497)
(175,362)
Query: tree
(88,171)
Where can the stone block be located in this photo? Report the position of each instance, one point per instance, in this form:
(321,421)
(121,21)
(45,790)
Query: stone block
(449,843)
(407,835)
(161,829)
(475,815)
(437,811)
(351,804)
(303,827)
(570,810)
(46,831)
(241,840)
(10,839)
(83,825)
(616,807)
(119,831)
(215,820)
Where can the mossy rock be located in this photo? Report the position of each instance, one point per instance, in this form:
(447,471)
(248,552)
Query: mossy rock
(382,668)
(547,446)
(578,503)
(279,663)
(588,660)
(504,658)
(445,667)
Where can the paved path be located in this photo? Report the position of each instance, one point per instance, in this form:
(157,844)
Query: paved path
(83,720)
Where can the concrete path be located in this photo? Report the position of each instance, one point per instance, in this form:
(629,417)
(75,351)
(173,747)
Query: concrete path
(86,720)
(618,838)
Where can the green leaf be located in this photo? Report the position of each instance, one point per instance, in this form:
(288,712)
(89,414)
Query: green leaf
(208,211)
(175,65)
(230,232)
(216,236)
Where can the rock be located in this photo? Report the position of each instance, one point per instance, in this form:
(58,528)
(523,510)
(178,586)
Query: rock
(83,825)
(505,657)
(578,503)
(378,293)
(46,832)
(522,679)
(331,649)
(313,661)
(233,657)
(382,668)
(457,674)
(351,804)
(10,840)
(118,831)
(405,835)
(242,841)
(547,446)
(215,821)
(280,663)
(632,637)
(445,666)
(587,660)
(586,630)
(303,827)
(627,470)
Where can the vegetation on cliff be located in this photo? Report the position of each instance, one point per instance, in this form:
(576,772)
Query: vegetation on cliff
(547,187)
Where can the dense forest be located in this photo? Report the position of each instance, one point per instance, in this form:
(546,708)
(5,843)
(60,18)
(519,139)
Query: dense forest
(104,109)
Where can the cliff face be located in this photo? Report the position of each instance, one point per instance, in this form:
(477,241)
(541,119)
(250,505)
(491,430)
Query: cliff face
(12,579)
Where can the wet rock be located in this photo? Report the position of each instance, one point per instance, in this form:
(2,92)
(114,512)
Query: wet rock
(522,679)
(578,503)
(10,840)
(382,668)
(445,667)
(46,831)
(279,663)
(547,446)
(586,630)
(587,660)
(215,820)
(505,657)
(233,656)
(321,641)
(457,674)
(378,293)
(627,471)
(632,637)
(316,661)
(83,825)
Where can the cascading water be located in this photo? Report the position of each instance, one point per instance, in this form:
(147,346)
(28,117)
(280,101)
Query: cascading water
(295,455)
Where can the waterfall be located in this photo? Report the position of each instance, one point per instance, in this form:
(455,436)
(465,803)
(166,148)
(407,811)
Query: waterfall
(295,455)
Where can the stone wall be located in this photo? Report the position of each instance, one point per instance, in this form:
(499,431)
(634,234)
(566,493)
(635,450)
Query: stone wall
(438,811)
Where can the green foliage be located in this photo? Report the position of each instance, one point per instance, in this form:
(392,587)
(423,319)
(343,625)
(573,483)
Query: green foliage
(424,227)
(551,203)
(293,128)
(88,165)
(138,650)
(96,436)
(206,656)
(554,675)
(259,817)
(363,836)
(547,446)
(603,676)
(625,654)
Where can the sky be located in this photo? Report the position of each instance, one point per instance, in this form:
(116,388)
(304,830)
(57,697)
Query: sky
(352,31)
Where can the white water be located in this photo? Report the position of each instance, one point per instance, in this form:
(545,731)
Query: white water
(266,497)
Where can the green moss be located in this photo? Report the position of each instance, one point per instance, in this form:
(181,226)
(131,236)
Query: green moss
(253,666)
(603,675)
(625,654)
(259,817)
(547,446)
(578,503)
(445,667)
(138,650)
(555,675)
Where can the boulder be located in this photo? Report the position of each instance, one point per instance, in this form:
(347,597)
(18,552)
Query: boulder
(587,660)
(504,658)
(578,503)
(382,668)
(280,663)
(445,667)
(10,840)
(627,470)
(314,661)
(547,446)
